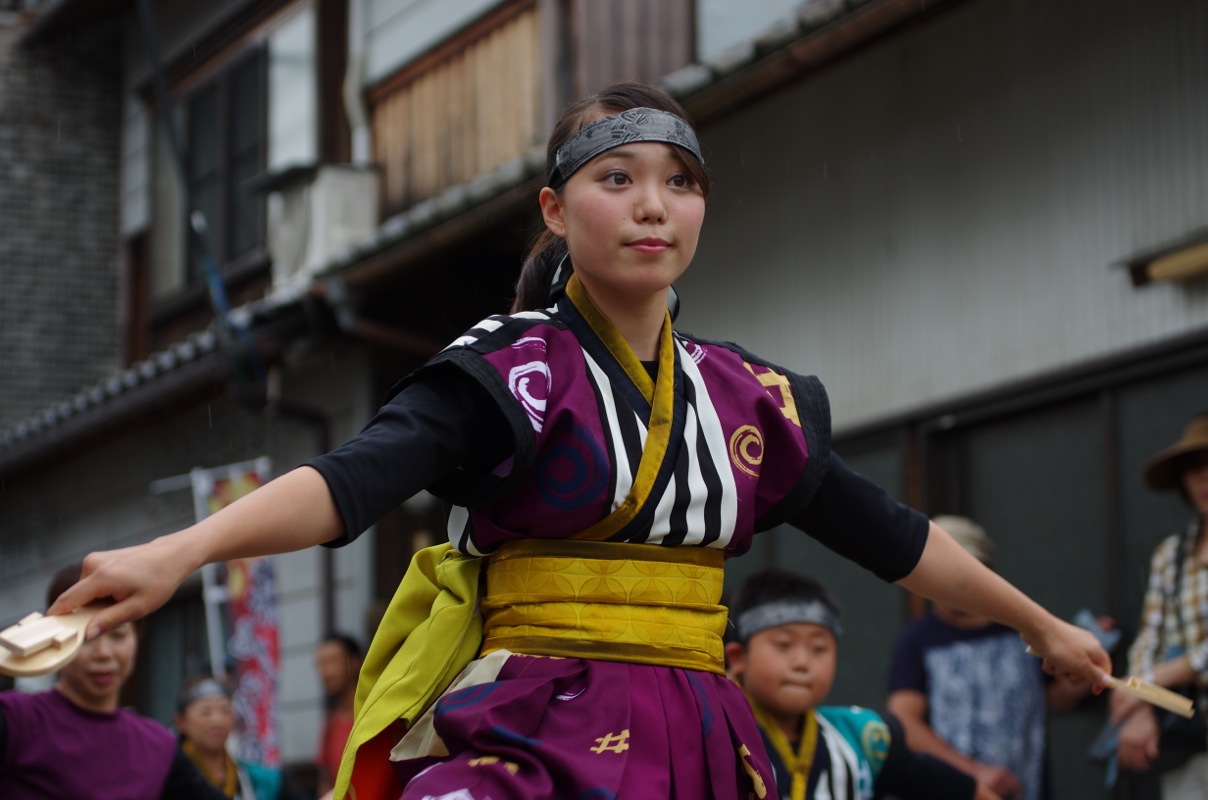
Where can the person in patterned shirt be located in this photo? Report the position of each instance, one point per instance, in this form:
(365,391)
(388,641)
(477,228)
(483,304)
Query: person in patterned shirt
(1171,648)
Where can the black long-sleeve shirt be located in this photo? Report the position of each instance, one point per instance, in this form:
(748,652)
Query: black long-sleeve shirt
(443,422)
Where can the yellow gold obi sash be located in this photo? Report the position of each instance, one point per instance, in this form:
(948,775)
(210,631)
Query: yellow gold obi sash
(608,601)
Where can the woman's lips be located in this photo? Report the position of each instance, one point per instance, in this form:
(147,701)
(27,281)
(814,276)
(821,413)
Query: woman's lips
(650,245)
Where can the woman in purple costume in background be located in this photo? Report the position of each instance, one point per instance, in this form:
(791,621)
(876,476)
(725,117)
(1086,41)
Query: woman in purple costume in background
(598,467)
(75,740)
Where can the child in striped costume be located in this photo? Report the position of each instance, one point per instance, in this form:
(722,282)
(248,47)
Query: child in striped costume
(785,656)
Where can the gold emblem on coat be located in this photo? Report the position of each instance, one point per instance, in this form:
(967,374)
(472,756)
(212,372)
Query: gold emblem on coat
(612,743)
(744,757)
(485,761)
(746,449)
(783,391)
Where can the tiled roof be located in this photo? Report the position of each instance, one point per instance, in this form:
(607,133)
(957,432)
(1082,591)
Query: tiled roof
(105,390)
(810,17)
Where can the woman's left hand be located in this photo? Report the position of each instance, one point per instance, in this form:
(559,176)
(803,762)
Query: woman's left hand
(1072,653)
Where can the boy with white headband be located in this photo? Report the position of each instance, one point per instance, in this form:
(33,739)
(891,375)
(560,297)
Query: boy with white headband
(785,657)
(597,466)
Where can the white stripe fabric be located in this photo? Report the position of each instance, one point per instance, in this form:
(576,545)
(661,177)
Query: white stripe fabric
(848,774)
(459,530)
(710,431)
(623,477)
(699,505)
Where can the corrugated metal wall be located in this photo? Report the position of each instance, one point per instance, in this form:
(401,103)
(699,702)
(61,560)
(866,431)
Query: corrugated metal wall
(939,213)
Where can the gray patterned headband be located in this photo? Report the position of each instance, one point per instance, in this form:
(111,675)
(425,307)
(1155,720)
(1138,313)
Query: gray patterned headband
(206,688)
(785,612)
(634,125)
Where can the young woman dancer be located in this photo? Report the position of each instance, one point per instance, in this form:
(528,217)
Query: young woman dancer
(599,466)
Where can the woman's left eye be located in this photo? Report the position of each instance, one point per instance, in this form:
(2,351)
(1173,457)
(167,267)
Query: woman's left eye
(680,181)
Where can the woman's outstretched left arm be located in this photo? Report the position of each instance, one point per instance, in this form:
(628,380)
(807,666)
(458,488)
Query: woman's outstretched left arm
(946,573)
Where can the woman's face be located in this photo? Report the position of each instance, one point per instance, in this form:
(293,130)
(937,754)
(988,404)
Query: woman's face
(94,678)
(1194,469)
(207,722)
(631,218)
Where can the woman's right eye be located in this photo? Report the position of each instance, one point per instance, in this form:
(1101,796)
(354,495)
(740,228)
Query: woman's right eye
(617,178)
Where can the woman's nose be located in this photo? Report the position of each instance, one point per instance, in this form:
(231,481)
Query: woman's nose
(101,648)
(650,206)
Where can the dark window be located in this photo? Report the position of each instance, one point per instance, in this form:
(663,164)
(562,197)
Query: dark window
(225,125)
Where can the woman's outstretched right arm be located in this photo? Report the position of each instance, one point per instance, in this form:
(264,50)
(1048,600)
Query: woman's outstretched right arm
(290,513)
(440,422)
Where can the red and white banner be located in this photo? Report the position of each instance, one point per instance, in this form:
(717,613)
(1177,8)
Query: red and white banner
(250,595)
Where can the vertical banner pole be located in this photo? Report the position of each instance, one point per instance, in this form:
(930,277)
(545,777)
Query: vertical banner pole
(213,594)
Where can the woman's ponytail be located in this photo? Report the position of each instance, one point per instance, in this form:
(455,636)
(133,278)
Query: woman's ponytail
(532,288)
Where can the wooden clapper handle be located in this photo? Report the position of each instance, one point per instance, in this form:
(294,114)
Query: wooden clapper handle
(39,644)
(1150,692)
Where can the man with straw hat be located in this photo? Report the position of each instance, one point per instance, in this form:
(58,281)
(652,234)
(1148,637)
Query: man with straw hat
(1164,470)
(1171,647)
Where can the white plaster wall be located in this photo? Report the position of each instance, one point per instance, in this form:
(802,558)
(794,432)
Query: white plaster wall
(341,389)
(136,166)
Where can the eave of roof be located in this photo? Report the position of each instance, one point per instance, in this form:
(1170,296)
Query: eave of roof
(113,401)
(817,34)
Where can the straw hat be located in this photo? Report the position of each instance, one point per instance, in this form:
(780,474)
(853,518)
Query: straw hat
(1163,470)
(969,535)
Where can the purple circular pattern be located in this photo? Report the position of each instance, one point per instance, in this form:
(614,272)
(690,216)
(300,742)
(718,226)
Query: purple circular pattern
(572,472)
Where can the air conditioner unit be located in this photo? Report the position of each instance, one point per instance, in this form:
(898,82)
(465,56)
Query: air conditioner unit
(314,214)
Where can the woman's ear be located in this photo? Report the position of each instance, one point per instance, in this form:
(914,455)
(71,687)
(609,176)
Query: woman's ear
(551,212)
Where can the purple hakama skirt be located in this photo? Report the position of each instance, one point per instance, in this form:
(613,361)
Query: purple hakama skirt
(593,730)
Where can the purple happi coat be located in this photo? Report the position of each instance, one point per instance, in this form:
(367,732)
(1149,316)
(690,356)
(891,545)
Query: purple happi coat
(740,446)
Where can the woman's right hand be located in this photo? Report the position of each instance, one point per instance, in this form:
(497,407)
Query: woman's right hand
(286,514)
(137,579)
(1137,740)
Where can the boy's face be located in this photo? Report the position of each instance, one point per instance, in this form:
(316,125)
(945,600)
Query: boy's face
(788,669)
